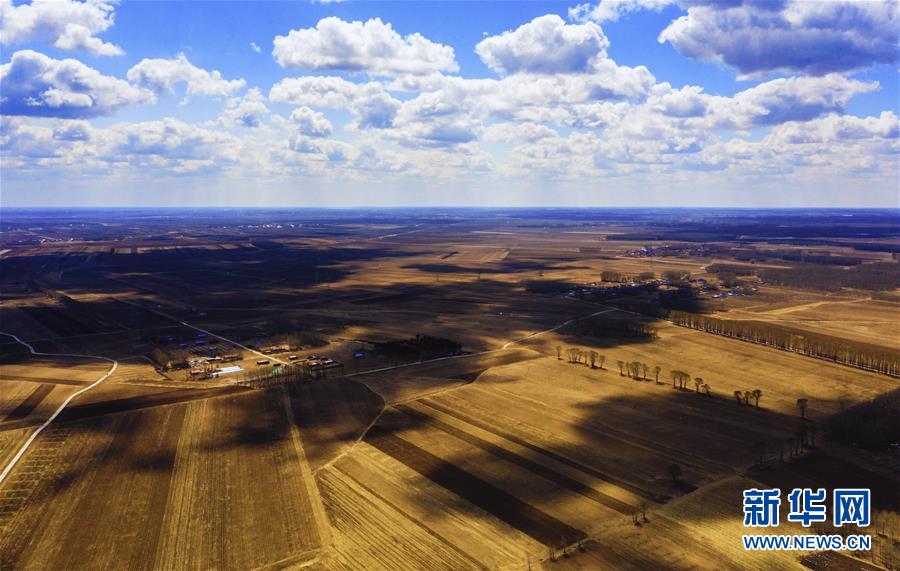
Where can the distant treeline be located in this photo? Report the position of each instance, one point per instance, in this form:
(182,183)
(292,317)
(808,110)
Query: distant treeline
(870,424)
(876,276)
(419,347)
(809,258)
(610,328)
(863,356)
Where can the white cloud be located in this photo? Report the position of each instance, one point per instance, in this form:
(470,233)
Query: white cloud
(255,47)
(319,91)
(372,47)
(246,111)
(794,36)
(37,85)
(370,103)
(612,10)
(686,102)
(545,45)
(836,128)
(69,24)
(162,75)
(787,99)
(169,139)
(514,132)
(310,123)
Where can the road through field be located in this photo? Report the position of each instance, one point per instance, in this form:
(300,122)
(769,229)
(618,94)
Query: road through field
(504,347)
(34,435)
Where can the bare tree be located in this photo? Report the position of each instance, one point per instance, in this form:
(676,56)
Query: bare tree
(675,375)
(739,396)
(698,382)
(593,357)
(674,471)
(621,364)
(705,388)
(602,359)
(643,507)
(656,371)
(756,396)
(760,451)
(747,395)
(559,353)
(802,404)
(644,369)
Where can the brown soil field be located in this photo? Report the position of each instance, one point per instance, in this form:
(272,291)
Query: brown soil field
(187,463)
(332,415)
(864,320)
(729,365)
(498,458)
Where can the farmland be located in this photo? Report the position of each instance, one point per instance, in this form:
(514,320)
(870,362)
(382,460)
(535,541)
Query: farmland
(384,390)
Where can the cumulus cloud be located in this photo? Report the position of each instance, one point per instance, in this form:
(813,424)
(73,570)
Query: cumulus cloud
(310,123)
(787,99)
(163,74)
(37,85)
(838,128)
(514,132)
(686,102)
(372,47)
(369,102)
(246,111)
(545,45)
(68,24)
(612,10)
(815,38)
(319,91)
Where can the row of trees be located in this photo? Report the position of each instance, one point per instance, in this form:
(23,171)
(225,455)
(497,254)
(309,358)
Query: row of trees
(576,355)
(680,379)
(869,357)
(803,439)
(618,277)
(743,397)
(870,424)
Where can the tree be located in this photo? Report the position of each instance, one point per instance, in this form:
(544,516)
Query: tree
(643,507)
(559,353)
(698,382)
(756,395)
(602,359)
(802,404)
(760,451)
(739,396)
(675,375)
(635,370)
(747,395)
(621,364)
(674,471)
(705,387)
(593,357)
(645,368)
(656,371)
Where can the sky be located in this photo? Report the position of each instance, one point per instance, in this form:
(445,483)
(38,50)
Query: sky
(732,103)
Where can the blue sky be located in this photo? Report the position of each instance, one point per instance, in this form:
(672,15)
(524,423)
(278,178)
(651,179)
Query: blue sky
(629,102)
